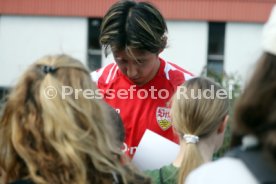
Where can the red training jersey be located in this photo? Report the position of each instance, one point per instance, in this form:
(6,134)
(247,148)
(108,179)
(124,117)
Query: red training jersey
(141,107)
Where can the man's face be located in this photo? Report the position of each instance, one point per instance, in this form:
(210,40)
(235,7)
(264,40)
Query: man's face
(139,66)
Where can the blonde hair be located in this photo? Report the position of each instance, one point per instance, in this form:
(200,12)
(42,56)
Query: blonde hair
(60,140)
(196,115)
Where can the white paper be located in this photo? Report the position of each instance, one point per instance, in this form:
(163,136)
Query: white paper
(154,151)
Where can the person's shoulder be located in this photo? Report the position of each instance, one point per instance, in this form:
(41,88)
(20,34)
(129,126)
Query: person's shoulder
(167,172)
(105,74)
(178,69)
(169,168)
(176,74)
(153,174)
(225,170)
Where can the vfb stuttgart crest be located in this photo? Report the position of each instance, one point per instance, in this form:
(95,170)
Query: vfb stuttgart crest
(163,118)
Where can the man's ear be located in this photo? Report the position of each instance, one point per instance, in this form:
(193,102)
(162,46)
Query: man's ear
(223,125)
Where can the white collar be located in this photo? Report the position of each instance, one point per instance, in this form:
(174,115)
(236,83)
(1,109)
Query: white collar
(249,141)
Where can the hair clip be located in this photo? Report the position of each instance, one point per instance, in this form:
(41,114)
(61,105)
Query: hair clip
(48,69)
(193,139)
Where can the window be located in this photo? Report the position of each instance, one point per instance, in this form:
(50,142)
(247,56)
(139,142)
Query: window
(94,47)
(215,58)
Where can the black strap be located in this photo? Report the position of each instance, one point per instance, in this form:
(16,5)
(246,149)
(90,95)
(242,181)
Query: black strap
(161,176)
(21,182)
(256,162)
(48,69)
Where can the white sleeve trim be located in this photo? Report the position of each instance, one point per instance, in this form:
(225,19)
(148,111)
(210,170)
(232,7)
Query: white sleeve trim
(96,75)
(188,76)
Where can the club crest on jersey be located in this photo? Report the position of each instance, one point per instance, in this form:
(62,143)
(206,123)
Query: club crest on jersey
(163,118)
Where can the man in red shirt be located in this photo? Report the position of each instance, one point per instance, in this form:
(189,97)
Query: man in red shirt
(139,84)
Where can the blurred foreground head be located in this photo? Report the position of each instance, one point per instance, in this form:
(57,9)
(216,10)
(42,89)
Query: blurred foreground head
(49,137)
(256,109)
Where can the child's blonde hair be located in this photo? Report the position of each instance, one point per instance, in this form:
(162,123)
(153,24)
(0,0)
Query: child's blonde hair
(198,113)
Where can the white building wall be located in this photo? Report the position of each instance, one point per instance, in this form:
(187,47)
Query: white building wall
(242,48)
(24,39)
(187,45)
